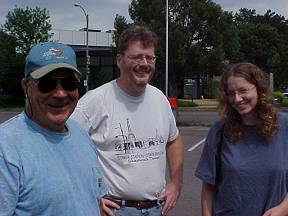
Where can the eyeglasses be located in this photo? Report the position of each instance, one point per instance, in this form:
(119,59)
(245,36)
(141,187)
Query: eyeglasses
(46,85)
(240,92)
(138,58)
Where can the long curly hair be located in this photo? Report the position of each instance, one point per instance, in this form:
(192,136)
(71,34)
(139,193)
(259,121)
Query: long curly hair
(266,124)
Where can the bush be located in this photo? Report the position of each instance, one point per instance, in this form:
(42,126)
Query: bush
(278,95)
(186,103)
(213,87)
(11,102)
(284,102)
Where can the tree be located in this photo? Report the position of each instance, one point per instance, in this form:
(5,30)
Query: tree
(29,26)
(11,66)
(198,33)
(263,41)
(120,24)
(203,39)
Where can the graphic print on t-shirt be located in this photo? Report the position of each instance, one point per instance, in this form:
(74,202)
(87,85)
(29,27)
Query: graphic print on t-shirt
(133,149)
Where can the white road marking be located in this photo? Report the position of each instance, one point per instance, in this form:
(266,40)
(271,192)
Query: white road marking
(196,145)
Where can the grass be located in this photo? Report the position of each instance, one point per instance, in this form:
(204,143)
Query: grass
(186,103)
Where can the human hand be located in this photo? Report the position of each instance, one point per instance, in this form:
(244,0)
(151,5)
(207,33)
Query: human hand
(276,211)
(170,194)
(105,207)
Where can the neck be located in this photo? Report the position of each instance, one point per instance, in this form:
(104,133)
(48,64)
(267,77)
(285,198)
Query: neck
(131,90)
(249,119)
(61,128)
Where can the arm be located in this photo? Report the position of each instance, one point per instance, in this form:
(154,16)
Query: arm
(9,190)
(279,210)
(172,190)
(207,194)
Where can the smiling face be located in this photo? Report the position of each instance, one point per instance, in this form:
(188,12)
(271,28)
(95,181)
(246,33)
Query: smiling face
(243,97)
(51,110)
(134,73)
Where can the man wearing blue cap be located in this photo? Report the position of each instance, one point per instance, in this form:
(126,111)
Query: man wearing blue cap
(48,164)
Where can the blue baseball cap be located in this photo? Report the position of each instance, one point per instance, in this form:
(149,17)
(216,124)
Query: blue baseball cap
(46,57)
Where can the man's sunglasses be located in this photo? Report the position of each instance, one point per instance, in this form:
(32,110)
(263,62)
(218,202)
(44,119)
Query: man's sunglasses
(46,85)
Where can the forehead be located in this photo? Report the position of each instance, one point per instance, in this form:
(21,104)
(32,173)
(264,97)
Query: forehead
(139,46)
(235,82)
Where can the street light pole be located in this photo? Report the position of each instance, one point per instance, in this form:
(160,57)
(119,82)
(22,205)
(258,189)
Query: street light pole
(87,47)
(167,40)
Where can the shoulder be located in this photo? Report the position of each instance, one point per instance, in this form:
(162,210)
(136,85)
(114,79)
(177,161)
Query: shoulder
(13,132)
(156,94)
(214,134)
(78,133)
(216,126)
(97,93)
(94,99)
(154,90)
(75,127)
(282,118)
(12,125)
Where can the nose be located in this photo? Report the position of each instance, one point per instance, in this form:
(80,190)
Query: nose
(237,97)
(143,61)
(59,91)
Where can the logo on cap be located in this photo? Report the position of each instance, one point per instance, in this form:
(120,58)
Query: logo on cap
(57,53)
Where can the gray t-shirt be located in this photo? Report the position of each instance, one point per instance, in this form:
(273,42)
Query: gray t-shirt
(253,170)
(131,134)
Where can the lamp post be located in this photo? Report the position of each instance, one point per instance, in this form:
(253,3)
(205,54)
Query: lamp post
(167,40)
(87,48)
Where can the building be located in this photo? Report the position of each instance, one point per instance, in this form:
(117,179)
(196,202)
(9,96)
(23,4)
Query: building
(101,52)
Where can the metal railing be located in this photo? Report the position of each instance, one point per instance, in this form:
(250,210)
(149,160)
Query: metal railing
(72,37)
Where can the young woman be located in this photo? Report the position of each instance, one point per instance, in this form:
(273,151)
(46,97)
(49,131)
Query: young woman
(244,163)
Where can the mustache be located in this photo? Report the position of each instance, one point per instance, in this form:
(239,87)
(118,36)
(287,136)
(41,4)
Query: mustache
(144,68)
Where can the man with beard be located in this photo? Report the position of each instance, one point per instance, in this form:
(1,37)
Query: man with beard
(134,129)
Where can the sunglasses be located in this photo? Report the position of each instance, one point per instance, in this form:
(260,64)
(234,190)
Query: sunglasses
(46,85)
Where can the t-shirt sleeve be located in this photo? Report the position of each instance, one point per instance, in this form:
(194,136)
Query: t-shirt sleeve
(86,108)
(206,168)
(80,116)
(9,185)
(174,132)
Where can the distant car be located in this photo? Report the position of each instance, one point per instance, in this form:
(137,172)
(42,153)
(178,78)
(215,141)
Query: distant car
(285,94)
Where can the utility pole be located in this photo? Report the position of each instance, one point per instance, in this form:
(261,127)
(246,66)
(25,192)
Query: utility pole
(167,40)
(87,47)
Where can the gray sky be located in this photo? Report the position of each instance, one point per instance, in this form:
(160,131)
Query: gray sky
(102,12)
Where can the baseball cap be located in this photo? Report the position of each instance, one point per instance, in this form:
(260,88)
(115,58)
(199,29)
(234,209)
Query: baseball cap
(48,56)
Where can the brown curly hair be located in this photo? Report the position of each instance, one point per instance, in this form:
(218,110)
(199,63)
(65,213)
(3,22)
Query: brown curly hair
(265,112)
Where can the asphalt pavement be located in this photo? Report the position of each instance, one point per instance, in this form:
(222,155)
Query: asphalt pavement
(186,117)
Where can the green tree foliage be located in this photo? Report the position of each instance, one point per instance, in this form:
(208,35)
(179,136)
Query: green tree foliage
(263,41)
(23,28)
(151,13)
(29,26)
(203,39)
(11,66)
(120,24)
(210,37)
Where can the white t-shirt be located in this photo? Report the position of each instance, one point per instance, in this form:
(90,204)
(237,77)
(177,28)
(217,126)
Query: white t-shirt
(131,134)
